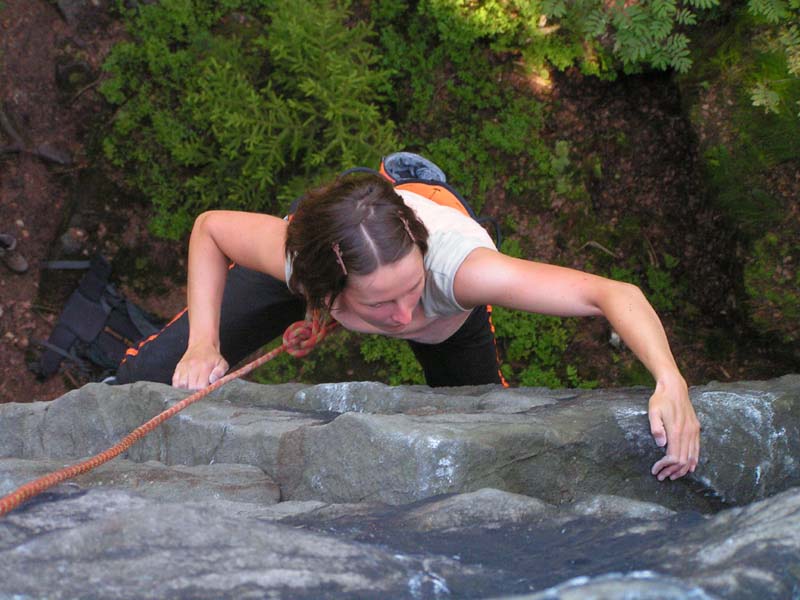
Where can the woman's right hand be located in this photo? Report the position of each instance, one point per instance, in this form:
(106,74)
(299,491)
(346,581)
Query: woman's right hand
(199,367)
(218,239)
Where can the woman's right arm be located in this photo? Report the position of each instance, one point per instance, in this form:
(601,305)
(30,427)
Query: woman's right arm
(219,238)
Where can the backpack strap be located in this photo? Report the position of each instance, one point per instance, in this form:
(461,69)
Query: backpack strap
(95,307)
(415,173)
(82,318)
(71,356)
(441,193)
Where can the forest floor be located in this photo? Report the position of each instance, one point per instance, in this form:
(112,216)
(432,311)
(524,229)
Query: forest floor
(50,129)
(48,200)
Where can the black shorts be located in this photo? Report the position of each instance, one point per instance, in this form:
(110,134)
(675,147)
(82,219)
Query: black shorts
(257,308)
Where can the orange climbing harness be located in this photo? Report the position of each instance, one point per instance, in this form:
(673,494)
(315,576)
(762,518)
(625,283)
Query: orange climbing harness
(298,340)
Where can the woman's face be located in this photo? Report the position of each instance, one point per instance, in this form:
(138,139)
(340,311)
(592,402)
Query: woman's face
(388,297)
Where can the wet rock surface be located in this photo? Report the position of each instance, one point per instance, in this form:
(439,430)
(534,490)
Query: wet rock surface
(355,490)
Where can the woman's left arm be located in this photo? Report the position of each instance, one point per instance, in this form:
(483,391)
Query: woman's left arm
(489,277)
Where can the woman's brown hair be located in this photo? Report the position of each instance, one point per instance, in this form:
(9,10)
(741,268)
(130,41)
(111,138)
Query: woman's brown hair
(350,227)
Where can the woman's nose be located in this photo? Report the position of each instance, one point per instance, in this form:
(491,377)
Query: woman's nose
(403,313)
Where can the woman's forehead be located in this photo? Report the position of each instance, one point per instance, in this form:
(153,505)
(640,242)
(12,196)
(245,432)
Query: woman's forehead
(387,282)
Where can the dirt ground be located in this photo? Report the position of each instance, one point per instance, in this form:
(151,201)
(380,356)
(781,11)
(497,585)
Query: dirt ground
(47,134)
(31,199)
(43,147)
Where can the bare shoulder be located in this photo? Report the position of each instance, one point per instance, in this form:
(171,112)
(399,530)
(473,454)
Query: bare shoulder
(253,240)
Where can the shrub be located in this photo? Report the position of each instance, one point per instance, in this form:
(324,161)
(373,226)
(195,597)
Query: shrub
(238,104)
(454,97)
(533,347)
(771,89)
(393,360)
(598,36)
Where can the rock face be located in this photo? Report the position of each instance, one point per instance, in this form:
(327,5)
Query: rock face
(361,490)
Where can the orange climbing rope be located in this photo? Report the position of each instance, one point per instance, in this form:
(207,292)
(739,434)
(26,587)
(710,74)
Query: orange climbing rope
(298,340)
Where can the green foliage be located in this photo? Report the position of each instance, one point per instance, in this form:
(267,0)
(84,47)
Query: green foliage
(533,347)
(244,103)
(747,63)
(283,368)
(763,96)
(635,373)
(595,35)
(345,356)
(734,178)
(234,104)
(393,360)
(773,11)
(659,283)
(625,274)
(664,289)
(564,177)
(453,98)
(335,359)
(476,153)
(644,34)
(772,281)
(647,34)
(462,23)
(782,37)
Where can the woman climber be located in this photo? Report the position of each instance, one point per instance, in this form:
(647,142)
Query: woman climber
(385,260)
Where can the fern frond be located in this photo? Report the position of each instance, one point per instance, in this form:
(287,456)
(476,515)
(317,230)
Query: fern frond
(596,23)
(554,8)
(773,11)
(685,17)
(703,4)
(762,96)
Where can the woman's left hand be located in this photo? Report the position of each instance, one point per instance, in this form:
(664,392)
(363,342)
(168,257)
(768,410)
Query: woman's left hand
(488,277)
(674,424)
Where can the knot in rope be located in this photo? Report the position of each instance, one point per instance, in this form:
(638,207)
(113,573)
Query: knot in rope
(301,337)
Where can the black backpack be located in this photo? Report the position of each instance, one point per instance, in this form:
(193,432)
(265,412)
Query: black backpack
(95,328)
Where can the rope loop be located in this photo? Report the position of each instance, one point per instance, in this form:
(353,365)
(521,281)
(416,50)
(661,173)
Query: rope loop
(300,338)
